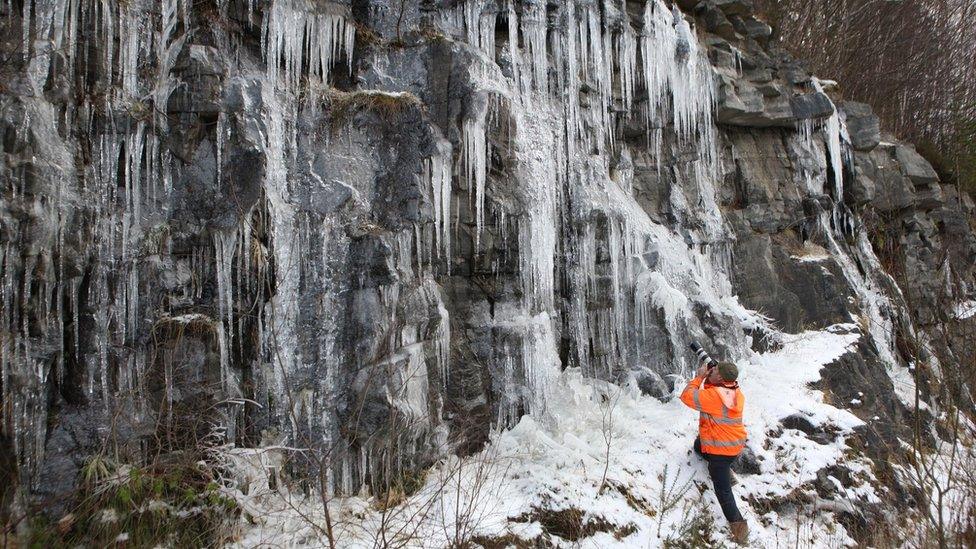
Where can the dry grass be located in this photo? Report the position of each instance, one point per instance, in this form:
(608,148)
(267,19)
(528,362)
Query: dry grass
(171,502)
(387,106)
(571,523)
(174,328)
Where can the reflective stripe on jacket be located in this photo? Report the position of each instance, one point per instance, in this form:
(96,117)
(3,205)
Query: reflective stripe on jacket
(719,426)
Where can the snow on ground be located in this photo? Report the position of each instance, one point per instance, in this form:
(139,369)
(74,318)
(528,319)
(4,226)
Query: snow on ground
(654,485)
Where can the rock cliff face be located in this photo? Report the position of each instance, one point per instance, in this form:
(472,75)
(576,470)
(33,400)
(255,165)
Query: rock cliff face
(378,229)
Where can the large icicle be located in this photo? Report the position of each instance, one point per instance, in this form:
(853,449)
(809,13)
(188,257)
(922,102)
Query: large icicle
(439,172)
(675,71)
(534,31)
(838,143)
(625,47)
(476,157)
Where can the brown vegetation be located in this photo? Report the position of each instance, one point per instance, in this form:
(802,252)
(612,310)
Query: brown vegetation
(572,523)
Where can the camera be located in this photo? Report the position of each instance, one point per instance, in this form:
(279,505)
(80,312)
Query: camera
(702,355)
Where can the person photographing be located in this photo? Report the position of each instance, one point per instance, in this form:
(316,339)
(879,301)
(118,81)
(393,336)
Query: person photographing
(715,393)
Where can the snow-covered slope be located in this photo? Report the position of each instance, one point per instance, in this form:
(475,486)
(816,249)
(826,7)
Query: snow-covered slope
(617,465)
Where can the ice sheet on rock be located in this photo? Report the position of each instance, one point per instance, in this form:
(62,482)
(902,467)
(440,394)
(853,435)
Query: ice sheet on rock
(408,383)
(534,143)
(857,260)
(540,367)
(225,247)
(878,310)
(679,273)
(651,287)
(281,340)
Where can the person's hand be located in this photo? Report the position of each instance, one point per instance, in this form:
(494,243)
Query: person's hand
(702,371)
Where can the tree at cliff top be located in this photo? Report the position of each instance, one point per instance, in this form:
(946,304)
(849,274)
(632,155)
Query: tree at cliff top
(911,60)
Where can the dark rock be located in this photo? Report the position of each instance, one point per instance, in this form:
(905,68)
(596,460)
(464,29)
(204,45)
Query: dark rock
(201,69)
(815,433)
(739,104)
(811,106)
(714,42)
(734,7)
(800,423)
(797,293)
(914,166)
(742,103)
(930,197)
(863,125)
(77,431)
(751,27)
(860,191)
(770,90)
(880,177)
(760,76)
(652,384)
(715,20)
(8,477)
(861,375)
(793,73)
(722,59)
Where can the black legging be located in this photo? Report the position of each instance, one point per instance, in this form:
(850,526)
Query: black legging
(720,469)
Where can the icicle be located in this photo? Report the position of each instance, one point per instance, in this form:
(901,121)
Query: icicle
(480,26)
(534,32)
(221,138)
(297,40)
(476,164)
(513,46)
(626,50)
(26,24)
(438,170)
(570,77)
(674,68)
(73,289)
(442,343)
(834,153)
(837,140)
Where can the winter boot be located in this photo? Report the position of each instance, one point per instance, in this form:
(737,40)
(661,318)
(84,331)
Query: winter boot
(740,532)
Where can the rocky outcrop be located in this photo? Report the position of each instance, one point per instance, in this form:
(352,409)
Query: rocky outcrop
(374,230)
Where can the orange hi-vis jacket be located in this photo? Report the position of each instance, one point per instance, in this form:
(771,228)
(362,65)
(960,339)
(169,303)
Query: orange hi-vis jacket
(719,425)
